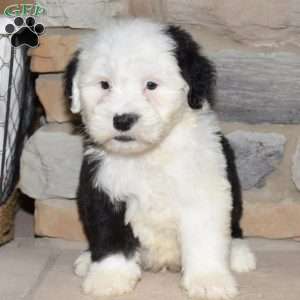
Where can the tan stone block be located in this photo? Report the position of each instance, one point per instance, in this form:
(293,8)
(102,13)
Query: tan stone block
(150,9)
(49,88)
(271,219)
(58,218)
(53,53)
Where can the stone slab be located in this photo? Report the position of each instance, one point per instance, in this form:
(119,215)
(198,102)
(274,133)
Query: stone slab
(258,87)
(49,88)
(278,185)
(276,278)
(51,161)
(257,155)
(41,269)
(21,267)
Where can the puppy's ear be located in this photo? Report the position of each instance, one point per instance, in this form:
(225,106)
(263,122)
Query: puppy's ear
(71,83)
(196,69)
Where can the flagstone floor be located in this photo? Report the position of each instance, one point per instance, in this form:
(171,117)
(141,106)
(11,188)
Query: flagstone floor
(41,269)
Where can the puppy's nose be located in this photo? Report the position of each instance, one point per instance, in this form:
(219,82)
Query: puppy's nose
(125,121)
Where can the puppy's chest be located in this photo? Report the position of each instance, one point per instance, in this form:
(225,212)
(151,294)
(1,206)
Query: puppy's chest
(147,185)
(136,178)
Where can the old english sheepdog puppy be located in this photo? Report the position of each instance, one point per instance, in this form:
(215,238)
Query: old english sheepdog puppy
(158,185)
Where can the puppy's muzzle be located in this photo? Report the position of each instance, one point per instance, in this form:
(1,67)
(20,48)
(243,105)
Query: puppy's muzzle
(125,121)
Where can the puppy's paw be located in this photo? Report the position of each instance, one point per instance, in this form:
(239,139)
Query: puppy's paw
(82,264)
(115,275)
(210,285)
(242,258)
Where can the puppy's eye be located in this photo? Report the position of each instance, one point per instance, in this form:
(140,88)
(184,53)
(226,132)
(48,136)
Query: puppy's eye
(150,85)
(105,85)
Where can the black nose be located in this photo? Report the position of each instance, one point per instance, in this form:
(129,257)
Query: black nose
(125,121)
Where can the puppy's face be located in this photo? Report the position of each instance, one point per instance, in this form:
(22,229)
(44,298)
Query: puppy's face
(129,86)
(131,95)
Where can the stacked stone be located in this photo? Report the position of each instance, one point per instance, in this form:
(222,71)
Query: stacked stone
(255,47)
(51,159)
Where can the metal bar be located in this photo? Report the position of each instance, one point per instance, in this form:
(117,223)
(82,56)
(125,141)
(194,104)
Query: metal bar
(11,66)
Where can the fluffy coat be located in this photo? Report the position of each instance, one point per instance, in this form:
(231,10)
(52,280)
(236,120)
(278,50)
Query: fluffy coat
(158,185)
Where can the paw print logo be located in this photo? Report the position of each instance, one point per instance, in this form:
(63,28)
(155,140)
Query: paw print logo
(25,32)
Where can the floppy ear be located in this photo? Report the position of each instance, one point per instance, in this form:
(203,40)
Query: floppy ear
(71,83)
(196,69)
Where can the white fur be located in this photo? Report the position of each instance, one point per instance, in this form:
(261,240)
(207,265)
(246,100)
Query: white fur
(181,206)
(123,55)
(242,259)
(114,275)
(75,105)
(173,176)
(82,264)
(215,285)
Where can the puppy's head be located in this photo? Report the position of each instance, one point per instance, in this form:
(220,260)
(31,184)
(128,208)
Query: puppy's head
(134,80)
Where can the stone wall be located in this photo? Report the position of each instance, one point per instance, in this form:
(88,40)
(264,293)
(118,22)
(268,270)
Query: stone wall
(255,47)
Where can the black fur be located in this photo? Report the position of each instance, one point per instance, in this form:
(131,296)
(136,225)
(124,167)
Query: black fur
(102,219)
(196,69)
(237,205)
(69,74)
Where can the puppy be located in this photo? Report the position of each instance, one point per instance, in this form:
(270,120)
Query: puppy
(158,185)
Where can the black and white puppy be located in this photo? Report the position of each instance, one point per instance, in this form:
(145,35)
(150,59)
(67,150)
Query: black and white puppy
(158,185)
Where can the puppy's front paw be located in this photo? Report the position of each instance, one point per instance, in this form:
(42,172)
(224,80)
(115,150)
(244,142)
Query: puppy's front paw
(82,264)
(210,285)
(115,275)
(242,258)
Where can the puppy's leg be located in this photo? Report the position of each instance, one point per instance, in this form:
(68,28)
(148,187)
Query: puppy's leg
(82,264)
(114,275)
(242,258)
(111,265)
(205,242)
